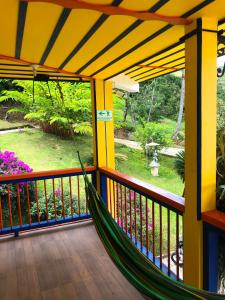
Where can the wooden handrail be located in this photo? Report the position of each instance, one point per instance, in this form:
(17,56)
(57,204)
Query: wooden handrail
(163,196)
(44,174)
(215,218)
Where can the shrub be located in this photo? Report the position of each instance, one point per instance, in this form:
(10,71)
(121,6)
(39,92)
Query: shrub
(11,165)
(57,198)
(154,132)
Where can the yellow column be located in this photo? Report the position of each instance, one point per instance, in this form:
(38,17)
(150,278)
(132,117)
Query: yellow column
(200,141)
(103,131)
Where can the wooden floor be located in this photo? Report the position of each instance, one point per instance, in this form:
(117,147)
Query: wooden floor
(69,263)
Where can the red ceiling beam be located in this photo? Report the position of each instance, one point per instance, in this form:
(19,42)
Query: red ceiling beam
(113,10)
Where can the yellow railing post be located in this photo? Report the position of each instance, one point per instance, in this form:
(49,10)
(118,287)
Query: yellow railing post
(200,140)
(103,131)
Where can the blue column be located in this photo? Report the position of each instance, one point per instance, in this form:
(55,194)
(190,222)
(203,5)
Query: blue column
(211,255)
(103,187)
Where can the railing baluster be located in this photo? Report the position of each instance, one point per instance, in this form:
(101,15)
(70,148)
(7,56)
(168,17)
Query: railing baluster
(46,199)
(71,196)
(28,202)
(141,222)
(19,204)
(121,206)
(160,235)
(54,197)
(37,202)
(131,223)
(110,196)
(146,219)
(153,230)
(135,217)
(168,240)
(114,200)
(9,205)
(1,218)
(78,193)
(86,205)
(177,245)
(117,202)
(63,204)
(125,208)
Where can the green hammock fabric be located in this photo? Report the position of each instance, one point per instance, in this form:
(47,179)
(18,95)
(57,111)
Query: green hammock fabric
(140,271)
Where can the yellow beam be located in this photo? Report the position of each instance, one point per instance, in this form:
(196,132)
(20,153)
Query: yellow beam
(200,142)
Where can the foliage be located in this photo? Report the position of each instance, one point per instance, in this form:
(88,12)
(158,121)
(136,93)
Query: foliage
(158,98)
(11,165)
(154,132)
(55,201)
(66,105)
(179,163)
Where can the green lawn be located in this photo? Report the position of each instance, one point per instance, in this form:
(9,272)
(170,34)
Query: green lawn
(44,151)
(48,152)
(135,166)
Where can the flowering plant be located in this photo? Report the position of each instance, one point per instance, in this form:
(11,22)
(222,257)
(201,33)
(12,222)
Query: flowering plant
(11,165)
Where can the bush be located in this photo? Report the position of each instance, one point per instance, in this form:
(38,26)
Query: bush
(154,132)
(11,165)
(57,198)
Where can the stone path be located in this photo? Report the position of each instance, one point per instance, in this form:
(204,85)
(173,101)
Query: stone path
(13,130)
(170,151)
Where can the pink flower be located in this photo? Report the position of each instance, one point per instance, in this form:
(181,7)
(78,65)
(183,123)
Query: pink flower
(119,221)
(150,226)
(58,192)
(132,195)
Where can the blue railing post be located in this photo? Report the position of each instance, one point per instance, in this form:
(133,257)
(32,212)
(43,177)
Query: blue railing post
(103,187)
(210,260)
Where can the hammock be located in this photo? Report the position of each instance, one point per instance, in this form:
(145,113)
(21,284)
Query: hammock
(140,271)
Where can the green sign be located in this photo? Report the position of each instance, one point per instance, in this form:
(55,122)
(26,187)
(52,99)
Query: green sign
(104,115)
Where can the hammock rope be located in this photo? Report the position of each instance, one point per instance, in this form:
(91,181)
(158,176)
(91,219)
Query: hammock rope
(135,266)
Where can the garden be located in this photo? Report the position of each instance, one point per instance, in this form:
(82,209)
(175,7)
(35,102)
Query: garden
(44,124)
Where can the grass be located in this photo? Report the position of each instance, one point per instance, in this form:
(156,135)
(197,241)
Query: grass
(43,151)
(47,152)
(135,166)
(8,125)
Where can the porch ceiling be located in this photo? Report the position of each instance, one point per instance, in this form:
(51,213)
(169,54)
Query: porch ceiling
(70,43)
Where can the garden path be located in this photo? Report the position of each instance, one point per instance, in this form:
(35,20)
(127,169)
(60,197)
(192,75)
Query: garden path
(168,151)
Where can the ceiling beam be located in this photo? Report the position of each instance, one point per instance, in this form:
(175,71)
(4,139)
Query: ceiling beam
(113,10)
(122,35)
(89,34)
(185,15)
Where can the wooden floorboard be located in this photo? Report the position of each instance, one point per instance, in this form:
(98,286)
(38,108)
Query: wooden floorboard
(60,264)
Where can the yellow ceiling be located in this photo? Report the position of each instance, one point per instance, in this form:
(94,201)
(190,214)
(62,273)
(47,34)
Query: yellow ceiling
(72,43)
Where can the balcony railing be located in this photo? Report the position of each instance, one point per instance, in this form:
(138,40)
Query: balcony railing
(42,199)
(150,216)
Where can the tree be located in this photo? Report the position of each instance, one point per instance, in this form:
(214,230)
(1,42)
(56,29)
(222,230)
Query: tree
(157,99)
(181,107)
(56,106)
